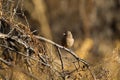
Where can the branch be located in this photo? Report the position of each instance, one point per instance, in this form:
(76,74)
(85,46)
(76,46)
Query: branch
(62,47)
(26,55)
(93,75)
(59,53)
(49,41)
(6,62)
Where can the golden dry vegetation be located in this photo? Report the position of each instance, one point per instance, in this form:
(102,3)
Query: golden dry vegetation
(31,33)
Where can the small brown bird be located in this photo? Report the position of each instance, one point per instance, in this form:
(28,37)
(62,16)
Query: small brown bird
(68,39)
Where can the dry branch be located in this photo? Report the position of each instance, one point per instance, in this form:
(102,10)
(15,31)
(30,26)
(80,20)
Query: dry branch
(62,47)
(7,63)
(5,36)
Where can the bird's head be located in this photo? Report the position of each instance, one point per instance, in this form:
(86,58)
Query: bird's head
(69,34)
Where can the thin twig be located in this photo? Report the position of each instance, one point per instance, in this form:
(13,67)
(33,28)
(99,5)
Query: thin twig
(15,10)
(11,31)
(62,65)
(30,75)
(59,53)
(93,75)
(6,62)
(24,14)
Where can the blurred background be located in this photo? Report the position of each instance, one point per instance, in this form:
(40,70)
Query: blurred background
(95,25)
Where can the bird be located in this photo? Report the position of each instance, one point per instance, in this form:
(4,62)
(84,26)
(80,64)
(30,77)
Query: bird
(67,40)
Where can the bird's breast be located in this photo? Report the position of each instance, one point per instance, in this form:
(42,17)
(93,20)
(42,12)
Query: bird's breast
(69,42)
